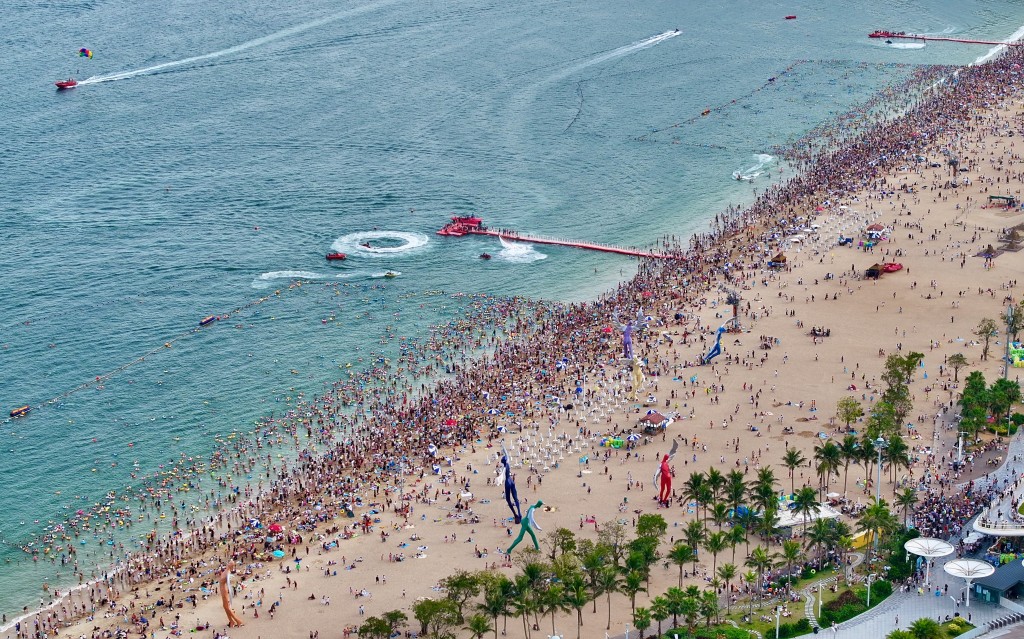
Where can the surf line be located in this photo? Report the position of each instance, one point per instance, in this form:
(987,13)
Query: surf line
(277,35)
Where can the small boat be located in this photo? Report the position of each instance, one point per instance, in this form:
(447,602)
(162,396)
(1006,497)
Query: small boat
(485,256)
(892,267)
(365,245)
(70,83)
(390,274)
(790,17)
(208,320)
(336,256)
(21,411)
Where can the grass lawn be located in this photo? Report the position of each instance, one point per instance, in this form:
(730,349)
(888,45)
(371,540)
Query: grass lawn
(796,608)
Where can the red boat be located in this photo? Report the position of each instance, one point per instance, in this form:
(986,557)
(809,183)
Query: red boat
(460,226)
(336,256)
(790,17)
(70,83)
(885,34)
(892,267)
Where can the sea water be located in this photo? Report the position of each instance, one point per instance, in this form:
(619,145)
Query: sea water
(215,152)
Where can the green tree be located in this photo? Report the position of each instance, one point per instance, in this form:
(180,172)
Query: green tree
(897,455)
(1015,320)
(956,361)
(974,403)
(986,330)
(906,501)
(806,503)
(659,611)
(877,519)
(437,617)
(735,490)
(375,628)
(715,480)
(478,624)
(694,535)
(651,525)
(642,620)
(461,587)
(829,458)
(727,573)
(679,555)
(577,596)
(631,585)
(761,560)
(927,628)
(849,410)
(610,581)
(899,634)
(753,581)
(708,605)
(850,452)
(497,593)
(791,552)
(561,540)
(593,562)
(738,533)
(715,543)
(792,460)
(552,601)
(1002,395)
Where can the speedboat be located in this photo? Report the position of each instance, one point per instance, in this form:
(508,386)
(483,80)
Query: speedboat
(390,274)
(70,83)
(336,256)
(790,17)
(485,256)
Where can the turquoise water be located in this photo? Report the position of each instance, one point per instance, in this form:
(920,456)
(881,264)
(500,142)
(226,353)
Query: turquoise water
(217,151)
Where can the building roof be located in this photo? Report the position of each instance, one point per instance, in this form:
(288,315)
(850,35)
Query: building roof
(1005,576)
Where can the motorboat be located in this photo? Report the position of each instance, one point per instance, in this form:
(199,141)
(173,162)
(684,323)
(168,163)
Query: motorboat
(70,83)
(790,17)
(332,257)
(462,225)
(390,274)
(21,411)
(485,256)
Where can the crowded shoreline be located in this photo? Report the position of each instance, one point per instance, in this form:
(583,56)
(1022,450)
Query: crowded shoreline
(381,451)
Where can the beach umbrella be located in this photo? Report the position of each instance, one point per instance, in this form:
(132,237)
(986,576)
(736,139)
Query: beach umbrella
(502,429)
(493,411)
(275,528)
(634,437)
(278,553)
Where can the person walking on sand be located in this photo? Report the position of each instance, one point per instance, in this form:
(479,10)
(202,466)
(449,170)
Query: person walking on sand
(525,528)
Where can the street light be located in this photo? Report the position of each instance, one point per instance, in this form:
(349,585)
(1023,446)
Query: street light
(819,598)
(870,577)
(778,615)
(880,445)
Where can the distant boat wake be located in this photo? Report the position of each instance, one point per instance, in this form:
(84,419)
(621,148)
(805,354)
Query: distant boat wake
(646,43)
(277,35)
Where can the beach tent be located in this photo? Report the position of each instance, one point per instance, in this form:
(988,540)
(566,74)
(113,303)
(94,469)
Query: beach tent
(794,521)
(874,272)
(654,421)
(778,261)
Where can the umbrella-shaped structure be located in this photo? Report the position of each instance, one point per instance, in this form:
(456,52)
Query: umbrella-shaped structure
(929,548)
(654,420)
(275,528)
(969,570)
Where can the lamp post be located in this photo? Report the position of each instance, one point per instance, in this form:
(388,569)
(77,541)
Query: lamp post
(778,615)
(880,445)
(819,598)
(870,577)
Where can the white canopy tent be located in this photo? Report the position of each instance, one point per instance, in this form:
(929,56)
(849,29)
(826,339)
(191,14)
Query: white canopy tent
(794,520)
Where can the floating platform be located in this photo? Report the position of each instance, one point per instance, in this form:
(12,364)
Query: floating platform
(462,226)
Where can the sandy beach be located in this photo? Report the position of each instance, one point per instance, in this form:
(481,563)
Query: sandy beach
(733,414)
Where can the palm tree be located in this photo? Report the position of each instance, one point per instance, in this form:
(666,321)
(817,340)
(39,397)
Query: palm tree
(867,457)
(679,555)
(692,488)
(821,537)
(715,543)
(708,606)
(594,562)
(523,603)
(898,455)
(631,585)
(737,535)
(694,535)
(497,593)
(553,600)
(760,560)
(642,620)
(479,625)
(850,451)
(927,628)
(704,497)
(735,490)
(674,600)
(806,502)
(768,523)
(689,608)
(659,611)
(719,514)
(877,519)
(829,458)
(610,583)
(715,480)
(727,573)
(752,581)
(792,460)
(906,501)
(791,552)
(576,596)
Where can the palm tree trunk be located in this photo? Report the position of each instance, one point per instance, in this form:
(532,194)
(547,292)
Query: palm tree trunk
(609,626)
(579,621)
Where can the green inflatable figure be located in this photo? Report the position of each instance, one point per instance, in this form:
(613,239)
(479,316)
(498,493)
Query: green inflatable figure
(525,528)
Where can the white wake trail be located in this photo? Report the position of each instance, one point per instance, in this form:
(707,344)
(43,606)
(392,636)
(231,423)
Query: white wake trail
(277,35)
(621,51)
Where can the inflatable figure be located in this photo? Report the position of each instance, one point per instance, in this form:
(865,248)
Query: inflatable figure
(664,474)
(638,376)
(627,332)
(224,578)
(525,528)
(511,495)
